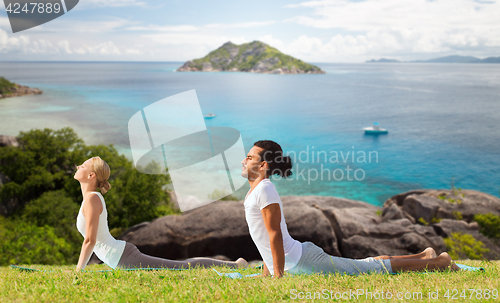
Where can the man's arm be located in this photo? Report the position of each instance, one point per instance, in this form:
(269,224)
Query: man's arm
(272,220)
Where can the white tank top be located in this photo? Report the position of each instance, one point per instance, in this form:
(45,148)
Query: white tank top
(108,249)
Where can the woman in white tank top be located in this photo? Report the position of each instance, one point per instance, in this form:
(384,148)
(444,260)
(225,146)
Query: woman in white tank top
(92,223)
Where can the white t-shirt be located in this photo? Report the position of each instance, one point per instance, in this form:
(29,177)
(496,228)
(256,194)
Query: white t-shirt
(263,195)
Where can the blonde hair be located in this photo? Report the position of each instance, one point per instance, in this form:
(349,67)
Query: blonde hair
(102,172)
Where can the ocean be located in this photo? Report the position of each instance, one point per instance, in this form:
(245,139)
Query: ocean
(443,119)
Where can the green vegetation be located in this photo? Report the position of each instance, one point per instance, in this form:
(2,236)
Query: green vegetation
(463,246)
(5,85)
(443,197)
(490,226)
(422,221)
(22,242)
(41,198)
(458,215)
(60,284)
(249,54)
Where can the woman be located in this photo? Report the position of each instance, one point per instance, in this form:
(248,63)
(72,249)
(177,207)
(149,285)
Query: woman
(280,252)
(92,223)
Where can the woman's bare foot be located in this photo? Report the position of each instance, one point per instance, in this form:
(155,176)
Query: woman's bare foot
(430,253)
(242,263)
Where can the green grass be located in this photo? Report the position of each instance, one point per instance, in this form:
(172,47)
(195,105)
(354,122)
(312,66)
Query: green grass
(64,285)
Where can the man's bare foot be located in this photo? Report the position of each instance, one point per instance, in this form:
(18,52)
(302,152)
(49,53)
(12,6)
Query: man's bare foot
(430,253)
(242,263)
(454,267)
(444,261)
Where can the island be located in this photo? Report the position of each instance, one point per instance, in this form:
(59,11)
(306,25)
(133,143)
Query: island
(10,89)
(447,59)
(253,57)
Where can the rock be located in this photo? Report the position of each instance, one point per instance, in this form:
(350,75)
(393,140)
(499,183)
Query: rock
(220,228)
(361,233)
(445,204)
(342,227)
(20,90)
(307,223)
(207,67)
(8,141)
(424,207)
(392,212)
(215,229)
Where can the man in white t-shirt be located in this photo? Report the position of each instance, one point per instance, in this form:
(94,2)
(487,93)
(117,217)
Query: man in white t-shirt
(280,252)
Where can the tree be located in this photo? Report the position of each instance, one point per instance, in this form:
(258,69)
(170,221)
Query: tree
(43,161)
(42,198)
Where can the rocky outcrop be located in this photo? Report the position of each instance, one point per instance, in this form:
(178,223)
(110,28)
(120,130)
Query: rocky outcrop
(19,90)
(433,205)
(8,141)
(254,57)
(220,229)
(342,227)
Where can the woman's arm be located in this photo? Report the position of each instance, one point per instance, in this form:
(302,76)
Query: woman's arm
(91,210)
(272,220)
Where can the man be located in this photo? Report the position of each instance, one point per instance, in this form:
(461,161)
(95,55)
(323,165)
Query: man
(280,252)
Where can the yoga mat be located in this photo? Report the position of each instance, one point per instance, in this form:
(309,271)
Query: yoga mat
(236,275)
(106,270)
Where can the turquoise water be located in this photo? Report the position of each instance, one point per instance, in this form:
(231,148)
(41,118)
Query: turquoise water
(442,118)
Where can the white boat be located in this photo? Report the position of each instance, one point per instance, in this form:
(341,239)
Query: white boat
(375,129)
(209,116)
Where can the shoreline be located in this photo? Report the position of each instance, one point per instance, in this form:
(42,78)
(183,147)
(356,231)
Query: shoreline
(10,89)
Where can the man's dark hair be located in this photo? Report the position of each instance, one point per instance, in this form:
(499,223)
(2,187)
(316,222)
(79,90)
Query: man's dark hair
(273,155)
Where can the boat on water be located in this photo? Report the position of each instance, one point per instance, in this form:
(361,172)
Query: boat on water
(209,116)
(375,129)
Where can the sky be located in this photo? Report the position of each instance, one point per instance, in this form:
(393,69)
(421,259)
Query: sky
(315,31)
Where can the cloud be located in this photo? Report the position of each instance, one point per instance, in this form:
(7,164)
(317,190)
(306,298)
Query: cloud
(270,40)
(164,28)
(197,39)
(380,14)
(109,3)
(105,48)
(240,24)
(78,26)
(4,22)
(8,44)
(387,27)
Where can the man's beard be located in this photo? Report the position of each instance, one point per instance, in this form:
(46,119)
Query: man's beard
(250,174)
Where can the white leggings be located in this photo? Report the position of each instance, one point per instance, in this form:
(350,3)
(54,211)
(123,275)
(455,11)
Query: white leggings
(133,258)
